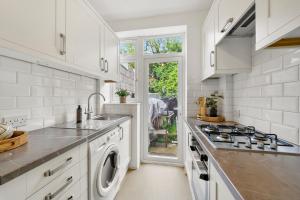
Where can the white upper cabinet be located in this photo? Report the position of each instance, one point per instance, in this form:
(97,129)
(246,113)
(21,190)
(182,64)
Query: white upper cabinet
(224,55)
(83,41)
(208,41)
(109,49)
(69,34)
(229,13)
(276,19)
(111,54)
(34,26)
(282,12)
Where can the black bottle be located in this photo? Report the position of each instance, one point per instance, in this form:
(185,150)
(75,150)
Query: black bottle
(78,114)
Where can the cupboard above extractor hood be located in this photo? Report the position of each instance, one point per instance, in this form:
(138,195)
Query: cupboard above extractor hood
(227,38)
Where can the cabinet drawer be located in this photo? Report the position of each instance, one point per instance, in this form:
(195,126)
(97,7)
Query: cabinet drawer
(64,185)
(45,173)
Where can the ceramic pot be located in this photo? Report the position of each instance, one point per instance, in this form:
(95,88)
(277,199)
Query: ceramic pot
(213,112)
(122,99)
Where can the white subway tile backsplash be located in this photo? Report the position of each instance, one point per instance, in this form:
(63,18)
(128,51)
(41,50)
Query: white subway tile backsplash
(7,102)
(262,125)
(291,119)
(14,112)
(10,64)
(273,65)
(29,102)
(272,90)
(288,133)
(8,77)
(292,89)
(41,70)
(52,101)
(41,91)
(59,92)
(41,112)
(285,103)
(287,75)
(28,79)
(51,82)
(45,95)
(272,115)
(60,74)
(277,98)
(9,90)
(292,59)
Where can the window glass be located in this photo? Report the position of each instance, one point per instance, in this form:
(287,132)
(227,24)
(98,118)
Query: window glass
(163,45)
(127,48)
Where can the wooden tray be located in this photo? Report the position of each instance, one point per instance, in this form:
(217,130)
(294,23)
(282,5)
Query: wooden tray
(212,119)
(18,138)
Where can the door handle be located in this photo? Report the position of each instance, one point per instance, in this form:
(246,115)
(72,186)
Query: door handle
(225,27)
(63,44)
(102,67)
(53,195)
(212,64)
(50,172)
(106,66)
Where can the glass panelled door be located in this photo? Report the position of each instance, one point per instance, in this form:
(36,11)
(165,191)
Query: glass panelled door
(162,109)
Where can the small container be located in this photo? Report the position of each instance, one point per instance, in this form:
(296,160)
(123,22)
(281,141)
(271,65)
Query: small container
(79,114)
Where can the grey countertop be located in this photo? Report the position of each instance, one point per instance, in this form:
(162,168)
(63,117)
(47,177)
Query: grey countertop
(254,175)
(46,144)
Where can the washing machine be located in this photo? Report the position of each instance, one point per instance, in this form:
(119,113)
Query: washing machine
(104,166)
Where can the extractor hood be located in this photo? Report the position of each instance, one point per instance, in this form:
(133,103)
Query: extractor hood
(245,27)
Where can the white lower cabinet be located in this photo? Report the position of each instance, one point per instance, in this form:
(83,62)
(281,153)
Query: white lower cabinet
(62,178)
(125,150)
(218,189)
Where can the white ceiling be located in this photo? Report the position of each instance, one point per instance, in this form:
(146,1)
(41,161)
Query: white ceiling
(113,10)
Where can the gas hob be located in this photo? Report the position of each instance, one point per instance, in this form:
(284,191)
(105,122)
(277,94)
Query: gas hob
(246,138)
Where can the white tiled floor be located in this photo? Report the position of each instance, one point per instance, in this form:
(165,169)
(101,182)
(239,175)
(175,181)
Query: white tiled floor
(155,182)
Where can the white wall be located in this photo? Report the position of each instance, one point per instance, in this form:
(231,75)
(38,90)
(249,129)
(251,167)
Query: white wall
(193,21)
(269,96)
(45,95)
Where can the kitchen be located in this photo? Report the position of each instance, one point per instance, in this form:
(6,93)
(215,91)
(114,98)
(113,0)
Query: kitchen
(225,127)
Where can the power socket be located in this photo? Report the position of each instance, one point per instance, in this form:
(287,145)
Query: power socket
(15,121)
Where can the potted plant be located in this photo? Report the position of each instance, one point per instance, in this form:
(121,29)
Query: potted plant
(122,93)
(212,104)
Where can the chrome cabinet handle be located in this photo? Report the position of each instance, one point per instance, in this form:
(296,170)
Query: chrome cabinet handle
(122,132)
(50,172)
(228,22)
(102,65)
(210,58)
(106,66)
(63,44)
(53,195)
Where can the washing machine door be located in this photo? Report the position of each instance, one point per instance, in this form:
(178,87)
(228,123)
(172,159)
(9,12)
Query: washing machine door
(108,170)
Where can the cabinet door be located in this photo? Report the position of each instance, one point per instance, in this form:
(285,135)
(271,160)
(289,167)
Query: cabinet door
(82,37)
(209,46)
(125,150)
(282,12)
(33,25)
(217,188)
(230,11)
(261,22)
(111,54)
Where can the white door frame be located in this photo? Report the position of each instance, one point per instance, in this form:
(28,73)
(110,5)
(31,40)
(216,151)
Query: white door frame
(146,157)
